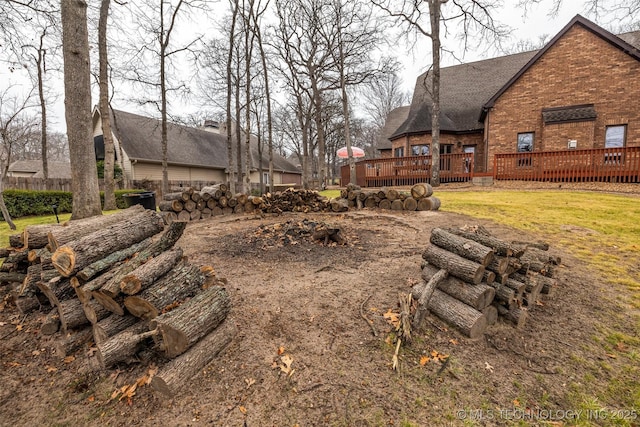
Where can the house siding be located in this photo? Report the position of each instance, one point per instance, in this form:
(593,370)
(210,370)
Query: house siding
(580,68)
(153,172)
(458,143)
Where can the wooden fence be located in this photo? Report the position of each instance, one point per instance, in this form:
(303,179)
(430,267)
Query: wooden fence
(604,164)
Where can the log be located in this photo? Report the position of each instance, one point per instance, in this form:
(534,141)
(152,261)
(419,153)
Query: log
(326,233)
(183,327)
(94,311)
(205,196)
(421,190)
(499,247)
(216,211)
(533,286)
(239,209)
(169,217)
(74,230)
(51,323)
(491,313)
(30,282)
(459,245)
(457,266)
(111,303)
(468,320)
(242,198)
(179,372)
(390,194)
(184,216)
(339,205)
(189,206)
(206,213)
(410,204)
(477,296)
(518,287)
(176,195)
(212,203)
(499,265)
(71,315)
(76,255)
(109,261)
(516,315)
(549,285)
(384,204)
(429,204)
(195,196)
(370,202)
(57,290)
(489,276)
(143,276)
(122,345)
(112,278)
(112,325)
(171,205)
(12,277)
(504,295)
(223,201)
(425,296)
(397,205)
(26,305)
(183,282)
(194,215)
(73,341)
(232,202)
(201,204)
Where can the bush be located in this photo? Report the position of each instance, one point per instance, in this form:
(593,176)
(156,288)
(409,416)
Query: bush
(30,202)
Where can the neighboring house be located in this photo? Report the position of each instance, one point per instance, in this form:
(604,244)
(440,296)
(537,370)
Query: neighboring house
(396,117)
(33,169)
(581,91)
(194,154)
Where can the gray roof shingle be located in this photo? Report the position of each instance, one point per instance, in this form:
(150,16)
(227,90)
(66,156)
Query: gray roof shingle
(395,118)
(141,139)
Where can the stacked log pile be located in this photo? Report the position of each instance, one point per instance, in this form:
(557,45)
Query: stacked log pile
(420,198)
(119,283)
(470,279)
(215,200)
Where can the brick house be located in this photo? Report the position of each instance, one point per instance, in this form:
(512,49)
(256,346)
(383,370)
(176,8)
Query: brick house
(580,91)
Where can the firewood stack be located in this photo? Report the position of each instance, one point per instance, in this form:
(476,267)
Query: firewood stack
(190,204)
(469,279)
(420,198)
(118,281)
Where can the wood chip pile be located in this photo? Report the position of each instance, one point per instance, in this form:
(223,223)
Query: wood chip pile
(190,204)
(117,283)
(470,279)
(420,198)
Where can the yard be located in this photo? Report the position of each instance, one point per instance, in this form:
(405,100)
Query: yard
(576,362)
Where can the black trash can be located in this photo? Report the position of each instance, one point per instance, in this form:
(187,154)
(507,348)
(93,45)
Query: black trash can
(145,198)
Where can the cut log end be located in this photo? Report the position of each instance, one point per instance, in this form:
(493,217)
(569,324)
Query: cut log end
(64,260)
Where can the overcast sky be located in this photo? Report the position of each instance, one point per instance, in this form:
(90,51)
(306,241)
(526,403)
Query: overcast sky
(535,24)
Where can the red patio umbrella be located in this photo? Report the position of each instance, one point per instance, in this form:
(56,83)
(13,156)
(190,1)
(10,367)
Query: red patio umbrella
(343,154)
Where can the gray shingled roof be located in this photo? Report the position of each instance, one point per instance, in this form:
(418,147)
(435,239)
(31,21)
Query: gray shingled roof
(141,139)
(56,169)
(464,89)
(395,118)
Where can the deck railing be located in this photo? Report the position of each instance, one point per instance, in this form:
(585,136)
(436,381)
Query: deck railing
(400,171)
(603,164)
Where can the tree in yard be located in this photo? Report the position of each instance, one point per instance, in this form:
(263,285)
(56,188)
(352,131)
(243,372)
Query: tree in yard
(109,148)
(15,127)
(382,95)
(471,17)
(77,87)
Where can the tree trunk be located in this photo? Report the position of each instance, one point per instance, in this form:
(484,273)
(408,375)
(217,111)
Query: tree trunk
(425,296)
(179,372)
(468,320)
(184,281)
(112,325)
(110,260)
(466,248)
(122,345)
(457,266)
(477,296)
(76,255)
(142,277)
(77,88)
(183,327)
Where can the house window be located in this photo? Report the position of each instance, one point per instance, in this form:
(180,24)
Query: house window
(398,152)
(525,145)
(615,137)
(446,149)
(420,150)
(265,178)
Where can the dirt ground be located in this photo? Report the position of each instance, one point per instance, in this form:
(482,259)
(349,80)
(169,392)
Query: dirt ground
(306,300)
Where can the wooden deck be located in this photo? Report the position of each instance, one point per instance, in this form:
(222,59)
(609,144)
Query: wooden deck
(605,164)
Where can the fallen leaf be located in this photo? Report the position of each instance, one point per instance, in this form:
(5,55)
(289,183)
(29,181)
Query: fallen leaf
(453,341)
(612,356)
(13,364)
(424,360)
(3,323)
(389,339)
(281,350)
(243,409)
(19,327)
(620,346)
(286,364)
(392,318)
(516,402)
(91,398)
(69,359)
(488,367)
(35,352)
(249,381)
(51,368)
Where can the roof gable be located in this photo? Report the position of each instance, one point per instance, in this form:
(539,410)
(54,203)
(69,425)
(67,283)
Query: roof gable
(617,42)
